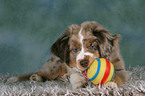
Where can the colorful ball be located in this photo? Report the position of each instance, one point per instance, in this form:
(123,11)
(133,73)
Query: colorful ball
(101,71)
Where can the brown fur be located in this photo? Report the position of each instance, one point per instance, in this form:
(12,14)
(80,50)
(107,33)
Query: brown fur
(63,58)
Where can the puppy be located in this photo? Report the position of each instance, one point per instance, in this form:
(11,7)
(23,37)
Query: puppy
(74,52)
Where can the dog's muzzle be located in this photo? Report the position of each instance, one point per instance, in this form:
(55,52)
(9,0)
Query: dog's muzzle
(84,63)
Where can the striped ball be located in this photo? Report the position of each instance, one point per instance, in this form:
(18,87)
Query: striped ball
(101,71)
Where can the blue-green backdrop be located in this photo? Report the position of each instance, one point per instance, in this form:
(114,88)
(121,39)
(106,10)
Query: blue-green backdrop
(29,27)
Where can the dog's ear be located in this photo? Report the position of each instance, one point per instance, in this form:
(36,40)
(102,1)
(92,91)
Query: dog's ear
(61,48)
(106,41)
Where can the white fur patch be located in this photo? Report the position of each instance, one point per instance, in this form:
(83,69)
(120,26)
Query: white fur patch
(82,53)
(13,79)
(77,80)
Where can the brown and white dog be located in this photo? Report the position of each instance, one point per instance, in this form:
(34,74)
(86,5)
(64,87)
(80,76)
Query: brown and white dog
(74,52)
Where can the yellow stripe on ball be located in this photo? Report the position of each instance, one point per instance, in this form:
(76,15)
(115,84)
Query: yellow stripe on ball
(101,72)
(111,73)
(92,69)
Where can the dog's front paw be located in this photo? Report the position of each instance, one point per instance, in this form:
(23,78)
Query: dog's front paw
(77,81)
(36,77)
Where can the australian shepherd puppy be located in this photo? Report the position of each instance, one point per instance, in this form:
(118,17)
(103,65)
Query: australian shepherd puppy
(75,50)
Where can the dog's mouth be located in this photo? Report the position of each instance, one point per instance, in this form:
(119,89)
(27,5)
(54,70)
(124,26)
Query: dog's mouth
(84,73)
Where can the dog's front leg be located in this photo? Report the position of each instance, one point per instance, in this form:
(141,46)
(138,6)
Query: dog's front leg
(77,80)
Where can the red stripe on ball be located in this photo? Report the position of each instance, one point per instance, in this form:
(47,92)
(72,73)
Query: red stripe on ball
(107,72)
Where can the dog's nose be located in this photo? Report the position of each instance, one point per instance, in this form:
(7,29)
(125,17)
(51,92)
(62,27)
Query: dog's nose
(84,63)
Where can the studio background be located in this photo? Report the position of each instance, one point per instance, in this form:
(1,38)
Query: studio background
(28,28)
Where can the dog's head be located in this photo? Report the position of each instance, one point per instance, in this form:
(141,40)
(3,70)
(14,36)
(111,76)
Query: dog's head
(81,44)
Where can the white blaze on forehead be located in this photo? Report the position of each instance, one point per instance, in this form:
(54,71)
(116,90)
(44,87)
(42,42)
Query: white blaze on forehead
(82,53)
(82,48)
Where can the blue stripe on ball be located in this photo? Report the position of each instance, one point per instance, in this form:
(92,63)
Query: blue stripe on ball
(98,70)
(113,74)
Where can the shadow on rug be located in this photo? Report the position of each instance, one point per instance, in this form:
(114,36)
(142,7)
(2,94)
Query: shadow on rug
(135,87)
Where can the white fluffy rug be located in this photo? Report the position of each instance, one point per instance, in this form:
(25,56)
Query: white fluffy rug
(135,87)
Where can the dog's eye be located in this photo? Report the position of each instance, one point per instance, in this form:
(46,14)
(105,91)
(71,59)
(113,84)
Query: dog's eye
(75,49)
(92,47)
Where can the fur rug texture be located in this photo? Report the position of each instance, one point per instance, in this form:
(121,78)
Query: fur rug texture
(135,87)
